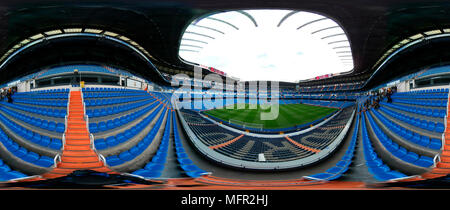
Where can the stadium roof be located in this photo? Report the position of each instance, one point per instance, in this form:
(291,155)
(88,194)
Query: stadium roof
(373,28)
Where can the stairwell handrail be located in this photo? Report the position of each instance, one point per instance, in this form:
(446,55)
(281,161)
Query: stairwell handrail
(445,121)
(63,138)
(437,158)
(56,160)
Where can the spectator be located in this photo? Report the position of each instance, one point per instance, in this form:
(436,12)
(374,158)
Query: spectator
(9,95)
(388,95)
(376,103)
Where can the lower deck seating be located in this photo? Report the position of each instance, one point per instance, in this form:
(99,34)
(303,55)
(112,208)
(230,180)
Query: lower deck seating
(342,166)
(397,150)
(375,164)
(135,151)
(7,174)
(24,154)
(36,122)
(409,135)
(182,157)
(155,167)
(111,124)
(114,140)
(34,137)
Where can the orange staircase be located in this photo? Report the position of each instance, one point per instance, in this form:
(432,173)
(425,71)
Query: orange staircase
(77,153)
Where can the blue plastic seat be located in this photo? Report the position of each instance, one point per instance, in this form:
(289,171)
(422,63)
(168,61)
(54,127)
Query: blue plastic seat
(431,126)
(424,161)
(60,128)
(45,141)
(21,152)
(36,138)
(440,128)
(111,141)
(135,150)
(147,174)
(320,176)
(31,157)
(113,160)
(44,124)
(93,127)
(100,144)
(424,141)
(45,161)
(435,144)
(154,167)
(185,161)
(102,126)
(110,125)
(55,144)
(51,126)
(126,156)
(411,157)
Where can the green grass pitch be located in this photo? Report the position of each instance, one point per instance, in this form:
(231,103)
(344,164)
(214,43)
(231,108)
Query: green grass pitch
(289,115)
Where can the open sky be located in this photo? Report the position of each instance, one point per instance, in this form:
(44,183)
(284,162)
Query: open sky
(268,52)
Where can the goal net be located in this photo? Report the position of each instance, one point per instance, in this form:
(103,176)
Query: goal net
(247,124)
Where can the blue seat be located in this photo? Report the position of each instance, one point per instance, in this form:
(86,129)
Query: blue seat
(147,174)
(44,124)
(154,167)
(116,122)
(21,152)
(55,144)
(423,124)
(135,150)
(411,157)
(335,170)
(185,161)
(320,176)
(424,141)
(435,144)
(93,128)
(110,125)
(431,126)
(100,144)
(102,126)
(51,126)
(416,138)
(121,137)
(182,155)
(160,159)
(45,161)
(60,128)
(113,160)
(442,113)
(36,138)
(111,141)
(440,128)
(424,161)
(45,141)
(31,157)
(196,174)
(126,156)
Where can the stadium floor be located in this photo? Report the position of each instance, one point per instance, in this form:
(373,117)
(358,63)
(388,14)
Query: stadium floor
(289,115)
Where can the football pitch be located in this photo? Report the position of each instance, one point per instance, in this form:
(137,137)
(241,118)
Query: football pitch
(289,115)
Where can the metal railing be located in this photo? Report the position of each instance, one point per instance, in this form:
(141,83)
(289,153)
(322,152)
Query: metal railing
(91,136)
(56,160)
